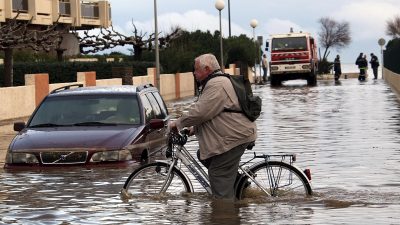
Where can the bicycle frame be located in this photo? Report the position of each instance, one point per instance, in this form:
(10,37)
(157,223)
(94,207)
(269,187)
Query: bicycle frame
(183,155)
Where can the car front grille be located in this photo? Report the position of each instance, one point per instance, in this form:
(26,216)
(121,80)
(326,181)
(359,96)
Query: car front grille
(63,157)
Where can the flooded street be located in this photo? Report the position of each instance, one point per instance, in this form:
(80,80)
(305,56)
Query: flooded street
(347,133)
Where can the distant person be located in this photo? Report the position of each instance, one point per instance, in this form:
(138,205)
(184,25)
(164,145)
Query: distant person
(265,67)
(362,64)
(374,65)
(337,68)
(358,61)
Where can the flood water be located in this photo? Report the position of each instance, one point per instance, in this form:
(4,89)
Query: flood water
(346,133)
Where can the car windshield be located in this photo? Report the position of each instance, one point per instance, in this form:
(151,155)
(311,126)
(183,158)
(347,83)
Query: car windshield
(292,43)
(85,110)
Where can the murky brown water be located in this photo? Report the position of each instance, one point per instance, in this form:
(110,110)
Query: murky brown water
(347,134)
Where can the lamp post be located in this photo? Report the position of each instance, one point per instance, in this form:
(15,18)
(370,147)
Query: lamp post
(156,46)
(220,4)
(381,43)
(253,24)
(229,16)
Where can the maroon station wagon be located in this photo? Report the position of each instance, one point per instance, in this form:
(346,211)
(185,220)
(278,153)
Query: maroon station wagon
(91,126)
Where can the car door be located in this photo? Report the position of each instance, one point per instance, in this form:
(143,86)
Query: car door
(155,139)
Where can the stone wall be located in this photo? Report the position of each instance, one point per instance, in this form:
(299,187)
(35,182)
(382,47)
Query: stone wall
(393,79)
(20,102)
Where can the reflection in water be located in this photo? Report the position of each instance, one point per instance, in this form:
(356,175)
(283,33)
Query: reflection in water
(346,133)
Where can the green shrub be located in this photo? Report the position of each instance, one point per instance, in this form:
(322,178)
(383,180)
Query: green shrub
(61,72)
(392,55)
(324,67)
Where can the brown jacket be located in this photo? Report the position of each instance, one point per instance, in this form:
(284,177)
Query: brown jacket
(218,131)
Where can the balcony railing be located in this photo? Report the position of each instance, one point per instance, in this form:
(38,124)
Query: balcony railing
(65,8)
(20,5)
(90,11)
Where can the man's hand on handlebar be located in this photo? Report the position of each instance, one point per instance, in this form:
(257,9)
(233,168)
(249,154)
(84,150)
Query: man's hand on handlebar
(173,128)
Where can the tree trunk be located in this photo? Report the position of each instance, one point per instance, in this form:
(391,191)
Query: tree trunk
(8,67)
(60,54)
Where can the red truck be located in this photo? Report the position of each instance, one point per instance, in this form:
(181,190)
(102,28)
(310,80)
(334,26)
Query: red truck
(293,56)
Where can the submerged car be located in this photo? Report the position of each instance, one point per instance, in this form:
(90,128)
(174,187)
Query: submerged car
(91,126)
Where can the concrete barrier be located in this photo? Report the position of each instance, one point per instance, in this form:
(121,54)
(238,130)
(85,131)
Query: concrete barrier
(393,79)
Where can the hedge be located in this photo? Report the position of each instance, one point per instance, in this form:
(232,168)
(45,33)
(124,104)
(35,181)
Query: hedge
(392,55)
(63,72)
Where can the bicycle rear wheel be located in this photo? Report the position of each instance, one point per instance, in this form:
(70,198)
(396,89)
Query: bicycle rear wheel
(148,180)
(277,178)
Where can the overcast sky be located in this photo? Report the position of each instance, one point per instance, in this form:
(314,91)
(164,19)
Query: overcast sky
(367,18)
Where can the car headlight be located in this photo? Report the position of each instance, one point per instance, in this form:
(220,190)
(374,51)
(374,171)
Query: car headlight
(120,155)
(21,158)
(274,68)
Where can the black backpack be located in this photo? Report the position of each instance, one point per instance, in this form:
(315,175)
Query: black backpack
(250,104)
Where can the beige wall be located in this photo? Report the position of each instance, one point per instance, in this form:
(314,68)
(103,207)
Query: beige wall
(20,101)
(17,102)
(393,79)
(167,86)
(186,84)
(109,82)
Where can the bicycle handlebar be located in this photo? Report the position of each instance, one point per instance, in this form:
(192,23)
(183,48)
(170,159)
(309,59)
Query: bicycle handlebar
(179,138)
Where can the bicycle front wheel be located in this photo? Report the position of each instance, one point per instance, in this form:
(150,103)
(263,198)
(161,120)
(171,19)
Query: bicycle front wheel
(150,179)
(277,179)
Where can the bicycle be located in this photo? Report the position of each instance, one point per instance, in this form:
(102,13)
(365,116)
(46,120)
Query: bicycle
(270,177)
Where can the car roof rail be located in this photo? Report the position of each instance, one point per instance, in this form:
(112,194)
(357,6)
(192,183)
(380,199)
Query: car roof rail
(65,88)
(144,86)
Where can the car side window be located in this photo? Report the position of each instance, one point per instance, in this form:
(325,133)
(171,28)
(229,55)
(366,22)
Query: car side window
(157,110)
(161,103)
(148,110)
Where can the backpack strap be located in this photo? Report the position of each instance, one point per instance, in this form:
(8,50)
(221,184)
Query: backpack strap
(216,74)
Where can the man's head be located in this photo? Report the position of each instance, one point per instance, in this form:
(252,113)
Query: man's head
(204,65)
(372,54)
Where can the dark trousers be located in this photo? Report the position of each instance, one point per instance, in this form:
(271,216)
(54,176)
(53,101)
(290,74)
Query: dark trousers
(222,172)
(375,70)
(362,75)
(265,74)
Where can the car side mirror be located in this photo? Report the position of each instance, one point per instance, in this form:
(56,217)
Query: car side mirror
(18,126)
(157,123)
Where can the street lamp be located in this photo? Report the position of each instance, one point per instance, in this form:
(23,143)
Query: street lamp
(253,24)
(229,16)
(156,45)
(220,4)
(381,43)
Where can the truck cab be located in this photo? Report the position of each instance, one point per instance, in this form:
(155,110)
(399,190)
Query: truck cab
(293,56)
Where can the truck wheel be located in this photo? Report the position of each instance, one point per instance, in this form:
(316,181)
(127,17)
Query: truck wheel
(312,79)
(275,81)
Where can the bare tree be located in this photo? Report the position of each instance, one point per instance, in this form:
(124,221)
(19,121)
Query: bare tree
(109,38)
(393,27)
(16,34)
(333,35)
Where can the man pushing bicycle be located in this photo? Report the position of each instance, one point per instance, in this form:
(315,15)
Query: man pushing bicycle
(223,133)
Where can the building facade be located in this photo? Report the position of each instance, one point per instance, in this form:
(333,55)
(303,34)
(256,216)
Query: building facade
(80,14)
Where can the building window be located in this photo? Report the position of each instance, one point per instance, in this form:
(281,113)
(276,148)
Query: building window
(90,10)
(65,7)
(20,5)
